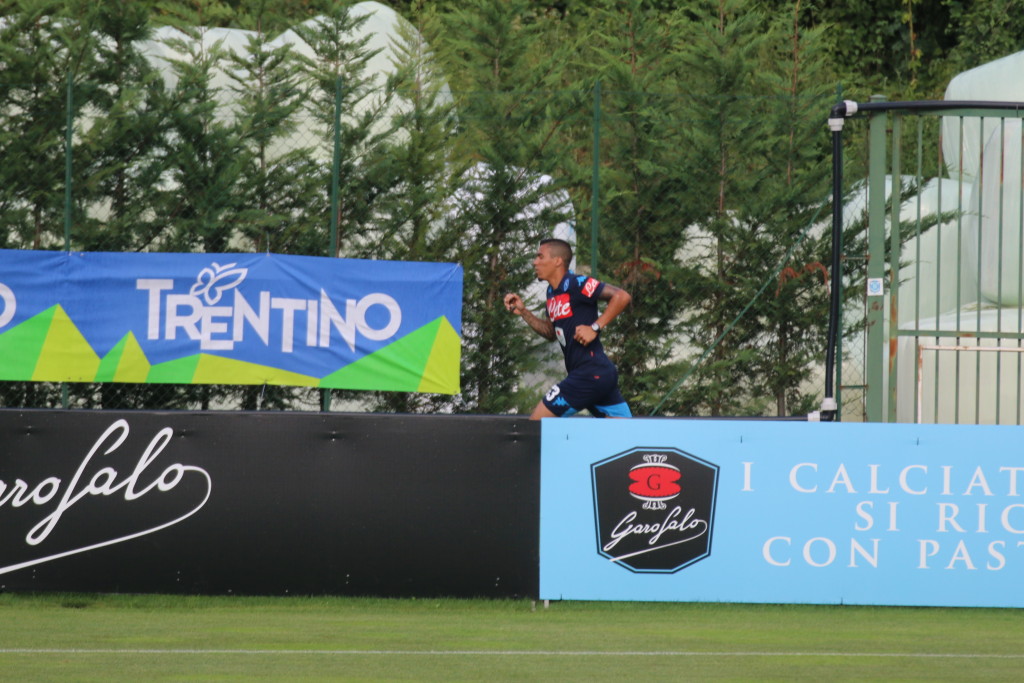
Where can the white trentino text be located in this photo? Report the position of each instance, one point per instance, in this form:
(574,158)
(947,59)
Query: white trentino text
(219,328)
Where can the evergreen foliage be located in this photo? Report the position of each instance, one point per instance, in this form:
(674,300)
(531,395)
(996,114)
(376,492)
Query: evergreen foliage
(728,136)
(506,206)
(37,66)
(420,175)
(646,212)
(798,196)
(278,179)
(338,72)
(205,154)
(121,156)
(713,163)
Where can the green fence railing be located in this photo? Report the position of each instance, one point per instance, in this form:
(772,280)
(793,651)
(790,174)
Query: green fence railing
(943,298)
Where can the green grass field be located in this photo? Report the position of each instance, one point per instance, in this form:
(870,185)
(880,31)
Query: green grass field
(153,637)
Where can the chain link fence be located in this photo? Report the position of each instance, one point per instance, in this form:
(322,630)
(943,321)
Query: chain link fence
(701,207)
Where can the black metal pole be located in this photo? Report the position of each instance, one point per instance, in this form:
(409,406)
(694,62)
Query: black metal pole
(829,406)
(840,112)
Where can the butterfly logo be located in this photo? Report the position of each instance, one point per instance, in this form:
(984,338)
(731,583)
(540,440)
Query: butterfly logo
(212,282)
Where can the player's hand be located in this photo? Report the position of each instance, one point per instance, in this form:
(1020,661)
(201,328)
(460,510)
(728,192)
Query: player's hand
(585,334)
(514,304)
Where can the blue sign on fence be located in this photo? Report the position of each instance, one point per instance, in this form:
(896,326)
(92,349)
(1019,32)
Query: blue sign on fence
(230,319)
(782,512)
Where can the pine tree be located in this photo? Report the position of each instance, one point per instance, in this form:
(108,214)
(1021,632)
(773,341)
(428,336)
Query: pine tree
(279,179)
(500,82)
(120,156)
(200,165)
(411,219)
(39,58)
(420,173)
(118,164)
(205,154)
(338,71)
(46,50)
(795,310)
(645,212)
(766,176)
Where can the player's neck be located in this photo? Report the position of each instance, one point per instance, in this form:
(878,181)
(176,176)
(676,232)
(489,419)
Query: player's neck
(556,279)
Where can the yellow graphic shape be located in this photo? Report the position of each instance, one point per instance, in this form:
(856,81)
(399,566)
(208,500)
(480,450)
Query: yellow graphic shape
(206,369)
(66,356)
(126,362)
(441,375)
(217,370)
(401,365)
(49,348)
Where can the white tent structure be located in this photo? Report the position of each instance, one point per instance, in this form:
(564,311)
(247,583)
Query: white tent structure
(380,26)
(966,273)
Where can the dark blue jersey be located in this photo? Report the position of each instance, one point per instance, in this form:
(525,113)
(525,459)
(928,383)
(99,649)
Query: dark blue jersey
(573,304)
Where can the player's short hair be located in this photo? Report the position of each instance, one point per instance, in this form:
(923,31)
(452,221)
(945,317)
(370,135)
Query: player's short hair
(559,248)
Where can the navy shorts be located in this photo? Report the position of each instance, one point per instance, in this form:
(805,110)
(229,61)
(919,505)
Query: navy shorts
(593,389)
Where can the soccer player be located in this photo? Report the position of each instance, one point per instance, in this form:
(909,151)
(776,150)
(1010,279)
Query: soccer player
(572,318)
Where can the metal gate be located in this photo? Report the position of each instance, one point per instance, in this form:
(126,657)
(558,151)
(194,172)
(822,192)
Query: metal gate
(943,304)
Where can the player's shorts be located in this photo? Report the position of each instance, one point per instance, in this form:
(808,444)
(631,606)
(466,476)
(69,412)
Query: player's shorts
(596,391)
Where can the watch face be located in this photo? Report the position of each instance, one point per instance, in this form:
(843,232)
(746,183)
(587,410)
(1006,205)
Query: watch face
(595,327)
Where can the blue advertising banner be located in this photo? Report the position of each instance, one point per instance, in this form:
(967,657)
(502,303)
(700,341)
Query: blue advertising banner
(230,319)
(782,512)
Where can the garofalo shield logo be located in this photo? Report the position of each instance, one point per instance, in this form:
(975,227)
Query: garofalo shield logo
(654,508)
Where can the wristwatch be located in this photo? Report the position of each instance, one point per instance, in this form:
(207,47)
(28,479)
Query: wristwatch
(595,327)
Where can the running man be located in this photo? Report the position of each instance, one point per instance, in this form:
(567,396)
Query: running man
(572,318)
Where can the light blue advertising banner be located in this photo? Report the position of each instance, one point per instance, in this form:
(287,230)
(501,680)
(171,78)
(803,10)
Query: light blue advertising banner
(230,319)
(782,512)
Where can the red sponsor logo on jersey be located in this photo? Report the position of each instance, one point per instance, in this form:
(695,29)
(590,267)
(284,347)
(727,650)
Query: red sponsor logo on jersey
(589,286)
(559,307)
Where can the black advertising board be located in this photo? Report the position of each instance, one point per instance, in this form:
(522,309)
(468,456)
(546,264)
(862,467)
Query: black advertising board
(269,503)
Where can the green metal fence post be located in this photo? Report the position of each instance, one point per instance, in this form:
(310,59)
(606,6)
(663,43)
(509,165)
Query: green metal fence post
(335,184)
(65,398)
(895,240)
(335,168)
(595,181)
(68,129)
(875,295)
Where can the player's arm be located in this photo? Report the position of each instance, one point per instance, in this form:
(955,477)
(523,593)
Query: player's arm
(544,328)
(618,299)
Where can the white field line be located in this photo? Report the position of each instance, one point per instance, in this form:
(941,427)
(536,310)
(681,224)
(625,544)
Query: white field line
(494,653)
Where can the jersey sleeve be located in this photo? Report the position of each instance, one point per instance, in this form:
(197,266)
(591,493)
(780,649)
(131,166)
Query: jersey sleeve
(590,287)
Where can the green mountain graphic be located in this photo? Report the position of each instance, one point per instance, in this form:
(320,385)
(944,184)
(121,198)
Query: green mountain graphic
(126,362)
(49,348)
(20,346)
(413,363)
